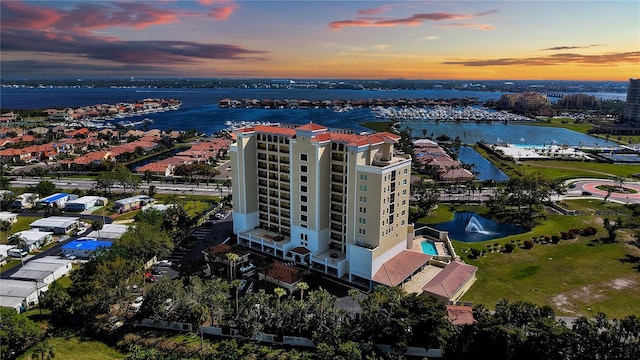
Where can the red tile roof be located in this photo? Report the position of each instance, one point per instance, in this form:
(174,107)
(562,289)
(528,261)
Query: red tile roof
(460,315)
(311,127)
(448,281)
(300,250)
(275,130)
(287,274)
(398,268)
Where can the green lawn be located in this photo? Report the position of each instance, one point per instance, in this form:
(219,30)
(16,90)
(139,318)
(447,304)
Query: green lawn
(74,347)
(572,276)
(556,169)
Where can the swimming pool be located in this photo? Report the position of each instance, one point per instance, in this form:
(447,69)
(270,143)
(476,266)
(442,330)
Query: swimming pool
(429,248)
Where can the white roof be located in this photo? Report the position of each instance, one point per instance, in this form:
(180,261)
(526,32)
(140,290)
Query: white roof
(16,288)
(12,302)
(159,207)
(55,221)
(31,236)
(133,199)
(85,200)
(5,248)
(7,215)
(38,271)
(109,231)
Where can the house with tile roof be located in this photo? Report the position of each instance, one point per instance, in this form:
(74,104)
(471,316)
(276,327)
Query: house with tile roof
(452,282)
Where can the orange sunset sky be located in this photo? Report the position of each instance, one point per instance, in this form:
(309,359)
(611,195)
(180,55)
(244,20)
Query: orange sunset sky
(565,40)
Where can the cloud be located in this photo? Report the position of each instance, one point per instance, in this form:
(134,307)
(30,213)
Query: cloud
(556,48)
(374,11)
(15,14)
(470,26)
(219,9)
(415,19)
(126,52)
(556,59)
(71,33)
(431,37)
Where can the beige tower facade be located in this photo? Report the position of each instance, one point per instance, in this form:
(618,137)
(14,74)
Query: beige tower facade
(336,202)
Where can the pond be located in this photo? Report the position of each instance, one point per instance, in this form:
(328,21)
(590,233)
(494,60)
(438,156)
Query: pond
(467,226)
(484,169)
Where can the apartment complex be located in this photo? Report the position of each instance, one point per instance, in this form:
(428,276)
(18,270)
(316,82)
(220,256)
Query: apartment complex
(632,106)
(336,202)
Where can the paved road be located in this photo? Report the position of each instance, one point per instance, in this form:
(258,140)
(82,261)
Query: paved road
(161,187)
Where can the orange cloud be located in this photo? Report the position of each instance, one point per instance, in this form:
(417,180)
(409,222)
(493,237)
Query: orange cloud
(219,9)
(413,20)
(632,57)
(556,48)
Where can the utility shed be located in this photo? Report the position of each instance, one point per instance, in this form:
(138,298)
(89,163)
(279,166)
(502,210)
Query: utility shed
(85,203)
(132,203)
(44,270)
(18,294)
(109,232)
(8,216)
(56,224)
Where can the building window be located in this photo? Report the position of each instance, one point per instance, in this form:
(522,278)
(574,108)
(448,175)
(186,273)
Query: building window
(303,218)
(362,221)
(363,187)
(303,168)
(303,178)
(405,171)
(363,176)
(363,210)
(303,198)
(303,208)
(303,157)
(303,188)
(404,182)
(404,192)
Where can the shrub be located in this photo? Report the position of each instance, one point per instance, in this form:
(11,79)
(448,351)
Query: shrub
(555,239)
(496,244)
(475,252)
(528,244)
(593,230)
(509,247)
(547,238)
(585,232)
(564,235)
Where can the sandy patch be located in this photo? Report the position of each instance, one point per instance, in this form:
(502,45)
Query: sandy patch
(620,284)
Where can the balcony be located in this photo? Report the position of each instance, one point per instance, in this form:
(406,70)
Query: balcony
(335,217)
(336,227)
(337,198)
(262,146)
(262,165)
(284,160)
(337,178)
(284,187)
(337,188)
(337,157)
(336,208)
(337,168)
(284,168)
(284,178)
(284,149)
(272,147)
(262,182)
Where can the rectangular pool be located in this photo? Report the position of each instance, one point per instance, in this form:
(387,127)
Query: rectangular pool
(429,248)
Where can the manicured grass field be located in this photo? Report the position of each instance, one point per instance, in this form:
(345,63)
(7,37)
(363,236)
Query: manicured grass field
(576,169)
(572,276)
(69,348)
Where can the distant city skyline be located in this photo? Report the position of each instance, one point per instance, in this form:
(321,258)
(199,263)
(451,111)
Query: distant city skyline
(482,40)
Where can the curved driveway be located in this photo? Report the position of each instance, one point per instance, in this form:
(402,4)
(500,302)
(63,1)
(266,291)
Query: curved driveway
(589,188)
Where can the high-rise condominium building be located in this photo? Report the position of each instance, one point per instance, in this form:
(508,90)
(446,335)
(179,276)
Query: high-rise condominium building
(336,202)
(632,106)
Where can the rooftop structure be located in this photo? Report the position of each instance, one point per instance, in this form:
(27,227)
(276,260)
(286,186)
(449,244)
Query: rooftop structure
(334,201)
(109,232)
(84,247)
(56,224)
(44,270)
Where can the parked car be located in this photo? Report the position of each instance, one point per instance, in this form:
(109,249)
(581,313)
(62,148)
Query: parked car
(164,263)
(136,304)
(247,268)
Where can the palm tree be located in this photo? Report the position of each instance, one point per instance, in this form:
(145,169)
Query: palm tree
(302,286)
(22,243)
(280,292)
(353,294)
(233,259)
(5,226)
(236,285)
